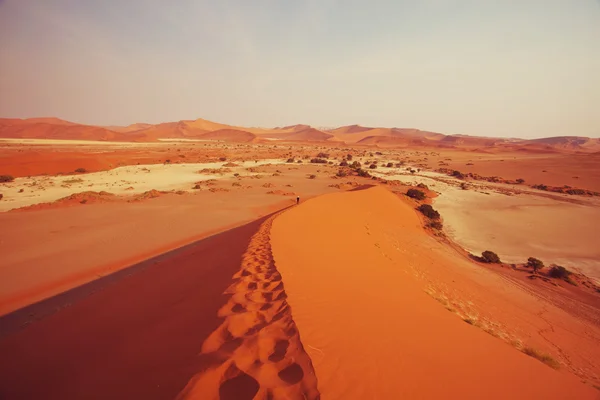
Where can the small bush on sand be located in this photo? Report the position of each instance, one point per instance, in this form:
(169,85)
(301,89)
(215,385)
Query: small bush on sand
(344,163)
(429,211)
(373,166)
(363,173)
(535,264)
(313,176)
(341,173)
(6,178)
(222,158)
(559,272)
(490,257)
(389,165)
(81,170)
(318,161)
(520,180)
(435,225)
(322,155)
(1,196)
(291,160)
(299,162)
(349,157)
(458,174)
(416,194)
(355,165)
(545,358)
(422,186)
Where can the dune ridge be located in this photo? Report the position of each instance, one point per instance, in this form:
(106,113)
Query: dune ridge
(258,342)
(368,324)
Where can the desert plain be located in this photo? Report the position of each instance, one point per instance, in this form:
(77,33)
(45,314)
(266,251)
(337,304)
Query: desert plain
(174,261)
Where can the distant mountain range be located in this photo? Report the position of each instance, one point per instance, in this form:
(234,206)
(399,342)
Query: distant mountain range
(200,129)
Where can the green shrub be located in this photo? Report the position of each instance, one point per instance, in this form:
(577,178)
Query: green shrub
(559,272)
(429,211)
(490,257)
(535,264)
(416,194)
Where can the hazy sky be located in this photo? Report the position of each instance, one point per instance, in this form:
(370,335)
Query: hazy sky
(526,68)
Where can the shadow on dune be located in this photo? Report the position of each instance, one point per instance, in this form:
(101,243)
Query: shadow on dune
(136,333)
(361,187)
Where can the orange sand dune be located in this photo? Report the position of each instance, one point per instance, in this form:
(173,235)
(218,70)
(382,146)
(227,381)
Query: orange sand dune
(229,135)
(305,135)
(348,261)
(34,129)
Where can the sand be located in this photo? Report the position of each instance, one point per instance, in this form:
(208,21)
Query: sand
(367,324)
(560,229)
(123,180)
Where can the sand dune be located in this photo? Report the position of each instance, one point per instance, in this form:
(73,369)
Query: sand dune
(228,135)
(368,325)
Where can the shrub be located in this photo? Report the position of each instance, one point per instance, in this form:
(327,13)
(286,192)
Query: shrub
(318,161)
(390,165)
(313,176)
(416,194)
(576,191)
(490,257)
(559,272)
(349,157)
(6,178)
(422,186)
(291,160)
(373,166)
(520,180)
(540,187)
(429,211)
(535,264)
(1,196)
(341,173)
(363,173)
(344,163)
(464,186)
(222,158)
(299,161)
(81,170)
(355,165)
(545,358)
(322,155)
(435,225)
(458,174)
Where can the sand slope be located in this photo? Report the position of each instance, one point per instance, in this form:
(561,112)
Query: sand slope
(372,332)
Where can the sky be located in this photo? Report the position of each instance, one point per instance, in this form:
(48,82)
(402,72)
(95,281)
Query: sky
(507,68)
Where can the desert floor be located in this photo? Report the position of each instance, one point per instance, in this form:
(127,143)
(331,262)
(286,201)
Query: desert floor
(184,269)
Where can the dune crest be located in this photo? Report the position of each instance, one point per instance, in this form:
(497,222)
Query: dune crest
(258,340)
(350,262)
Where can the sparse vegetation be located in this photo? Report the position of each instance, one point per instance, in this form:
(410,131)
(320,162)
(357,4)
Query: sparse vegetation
(416,194)
(490,257)
(222,158)
(73,180)
(540,187)
(6,178)
(520,181)
(422,186)
(535,264)
(1,196)
(318,161)
(362,173)
(355,165)
(344,163)
(545,358)
(373,166)
(341,173)
(464,186)
(435,224)
(389,165)
(458,174)
(322,155)
(559,272)
(349,157)
(290,160)
(429,211)
(312,176)
(81,170)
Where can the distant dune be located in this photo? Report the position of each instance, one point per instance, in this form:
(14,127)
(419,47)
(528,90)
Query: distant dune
(229,135)
(54,128)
